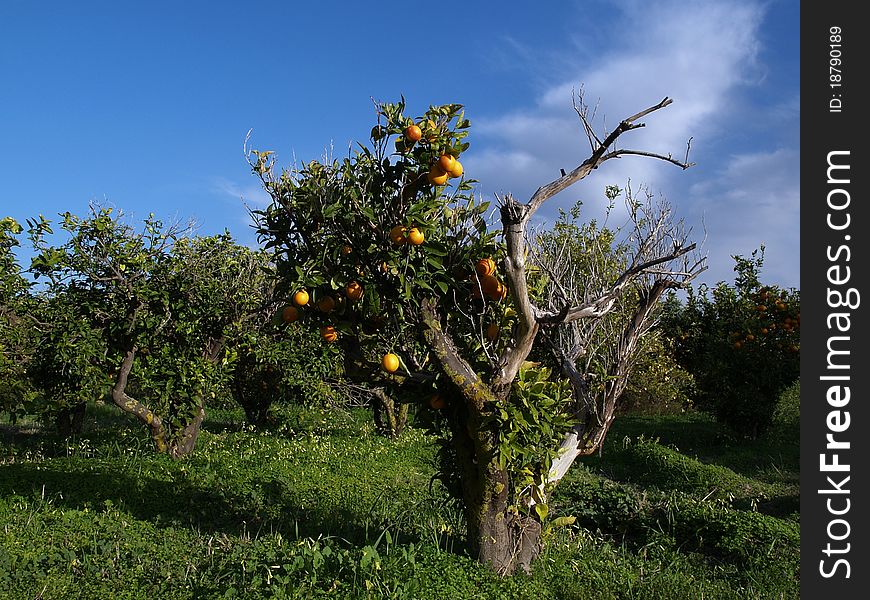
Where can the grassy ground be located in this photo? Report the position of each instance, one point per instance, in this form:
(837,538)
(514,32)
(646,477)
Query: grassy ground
(673,508)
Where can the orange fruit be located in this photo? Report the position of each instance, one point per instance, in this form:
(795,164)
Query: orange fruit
(415,236)
(390,362)
(455,170)
(397,235)
(326,304)
(750,337)
(492,331)
(300,298)
(764,330)
(761,308)
(354,291)
(345,250)
(328,333)
(489,284)
(437,402)
(485,266)
(437,175)
(289,314)
(413,133)
(446,162)
(738,344)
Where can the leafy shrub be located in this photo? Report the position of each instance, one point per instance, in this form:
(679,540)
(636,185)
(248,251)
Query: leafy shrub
(16,331)
(787,415)
(657,384)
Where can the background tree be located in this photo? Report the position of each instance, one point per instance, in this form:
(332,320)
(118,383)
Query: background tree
(16,327)
(410,265)
(741,343)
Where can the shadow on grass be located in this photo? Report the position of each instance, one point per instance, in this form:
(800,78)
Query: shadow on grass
(265,505)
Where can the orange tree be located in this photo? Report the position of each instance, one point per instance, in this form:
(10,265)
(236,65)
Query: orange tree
(108,295)
(16,325)
(741,343)
(394,236)
(144,312)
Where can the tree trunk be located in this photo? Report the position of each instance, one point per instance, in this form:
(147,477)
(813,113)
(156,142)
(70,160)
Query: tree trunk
(69,421)
(390,417)
(255,404)
(132,406)
(184,444)
(498,536)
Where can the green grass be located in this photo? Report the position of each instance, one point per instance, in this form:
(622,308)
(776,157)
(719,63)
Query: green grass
(323,507)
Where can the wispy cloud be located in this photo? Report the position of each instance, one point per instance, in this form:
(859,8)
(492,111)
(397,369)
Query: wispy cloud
(704,55)
(754,200)
(252,195)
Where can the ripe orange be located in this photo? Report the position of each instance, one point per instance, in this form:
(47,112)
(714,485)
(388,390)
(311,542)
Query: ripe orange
(764,330)
(328,333)
(326,304)
(397,235)
(437,175)
(413,133)
(437,402)
(390,362)
(446,162)
(289,314)
(492,332)
(500,292)
(456,170)
(300,298)
(354,291)
(761,308)
(738,344)
(750,337)
(489,284)
(485,266)
(415,236)
(345,250)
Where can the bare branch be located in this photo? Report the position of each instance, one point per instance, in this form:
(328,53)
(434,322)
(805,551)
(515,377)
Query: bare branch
(599,155)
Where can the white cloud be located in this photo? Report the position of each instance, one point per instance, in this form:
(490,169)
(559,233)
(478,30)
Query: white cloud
(701,54)
(754,200)
(252,195)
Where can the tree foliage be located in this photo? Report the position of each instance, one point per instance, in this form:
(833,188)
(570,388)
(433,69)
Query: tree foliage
(389,251)
(741,342)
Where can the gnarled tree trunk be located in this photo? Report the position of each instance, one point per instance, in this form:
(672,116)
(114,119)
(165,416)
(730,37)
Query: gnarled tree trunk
(390,416)
(164,441)
(69,421)
(497,536)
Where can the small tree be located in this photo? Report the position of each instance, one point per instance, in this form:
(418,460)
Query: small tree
(149,309)
(741,343)
(393,237)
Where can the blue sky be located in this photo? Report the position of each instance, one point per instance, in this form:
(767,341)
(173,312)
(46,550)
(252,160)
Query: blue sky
(145,106)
